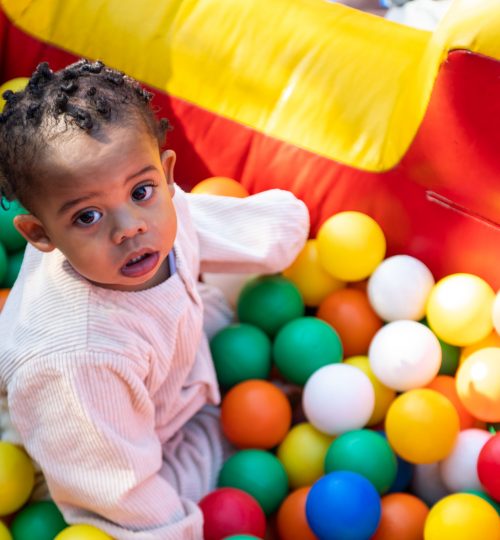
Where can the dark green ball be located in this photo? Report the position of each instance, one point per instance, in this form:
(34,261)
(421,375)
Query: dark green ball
(38,521)
(303,346)
(241,352)
(269,302)
(9,236)
(260,474)
(450,357)
(3,263)
(14,262)
(364,452)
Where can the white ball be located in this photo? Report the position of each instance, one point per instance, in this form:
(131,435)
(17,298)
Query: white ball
(459,469)
(338,398)
(427,483)
(399,288)
(405,355)
(496,313)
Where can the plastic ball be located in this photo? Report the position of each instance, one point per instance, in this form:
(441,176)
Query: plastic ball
(446,385)
(82,532)
(422,426)
(459,309)
(461,517)
(488,467)
(41,520)
(459,469)
(255,414)
(240,352)
(303,346)
(496,312)
(384,395)
(242,537)
(485,497)
(302,453)
(4,293)
(344,505)
(491,340)
(4,532)
(478,384)
(403,518)
(17,477)
(404,475)
(3,263)
(427,483)
(269,302)
(312,280)
(14,262)
(354,320)
(405,355)
(16,85)
(338,398)
(227,511)
(450,356)
(291,520)
(220,185)
(351,245)
(9,236)
(399,288)
(260,474)
(364,452)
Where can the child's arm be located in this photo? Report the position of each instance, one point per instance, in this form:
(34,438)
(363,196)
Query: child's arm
(88,420)
(260,234)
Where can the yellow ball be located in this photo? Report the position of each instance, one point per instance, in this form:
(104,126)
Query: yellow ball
(459,309)
(351,245)
(384,395)
(491,340)
(17,478)
(16,85)
(312,280)
(422,426)
(478,384)
(462,516)
(82,532)
(302,453)
(4,532)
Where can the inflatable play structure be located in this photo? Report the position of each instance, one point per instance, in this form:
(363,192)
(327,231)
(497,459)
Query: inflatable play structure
(347,110)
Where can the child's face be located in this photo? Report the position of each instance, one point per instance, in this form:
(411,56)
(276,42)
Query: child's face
(107,206)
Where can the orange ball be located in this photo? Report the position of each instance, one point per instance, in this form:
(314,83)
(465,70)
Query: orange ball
(255,414)
(446,385)
(291,519)
(403,518)
(220,185)
(3,297)
(350,313)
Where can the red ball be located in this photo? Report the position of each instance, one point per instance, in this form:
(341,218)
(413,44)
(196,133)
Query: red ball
(227,511)
(488,467)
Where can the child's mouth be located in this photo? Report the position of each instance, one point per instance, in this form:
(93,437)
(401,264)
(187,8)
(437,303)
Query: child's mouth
(141,265)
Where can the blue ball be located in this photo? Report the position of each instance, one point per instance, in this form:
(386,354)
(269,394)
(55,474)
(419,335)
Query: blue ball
(343,505)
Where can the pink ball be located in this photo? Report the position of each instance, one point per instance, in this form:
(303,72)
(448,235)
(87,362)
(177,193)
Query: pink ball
(227,511)
(488,467)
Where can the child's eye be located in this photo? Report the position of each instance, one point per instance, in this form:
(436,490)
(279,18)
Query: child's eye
(143,193)
(89,217)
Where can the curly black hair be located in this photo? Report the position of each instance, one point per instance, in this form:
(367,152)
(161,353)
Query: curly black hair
(86,96)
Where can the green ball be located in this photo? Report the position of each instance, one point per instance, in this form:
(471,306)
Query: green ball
(41,521)
(484,496)
(3,263)
(9,236)
(303,346)
(364,452)
(14,263)
(449,358)
(260,474)
(241,537)
(269,302)
(241,352)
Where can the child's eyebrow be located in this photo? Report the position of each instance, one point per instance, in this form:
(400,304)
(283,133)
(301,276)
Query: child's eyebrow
(73,202)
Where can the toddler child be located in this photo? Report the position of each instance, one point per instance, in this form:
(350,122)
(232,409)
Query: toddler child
(103,358)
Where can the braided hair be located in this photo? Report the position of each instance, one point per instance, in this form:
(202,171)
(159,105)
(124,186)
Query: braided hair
(85,96)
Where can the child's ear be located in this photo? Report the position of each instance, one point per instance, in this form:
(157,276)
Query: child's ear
(33,230)
(168,163)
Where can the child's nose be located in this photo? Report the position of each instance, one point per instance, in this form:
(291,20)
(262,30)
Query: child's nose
(128,226)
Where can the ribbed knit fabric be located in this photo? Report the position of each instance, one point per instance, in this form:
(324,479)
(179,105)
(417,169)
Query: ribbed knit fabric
(107,389)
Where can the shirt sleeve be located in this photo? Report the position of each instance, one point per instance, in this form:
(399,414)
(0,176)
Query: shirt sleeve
(262,233)
(89,422)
